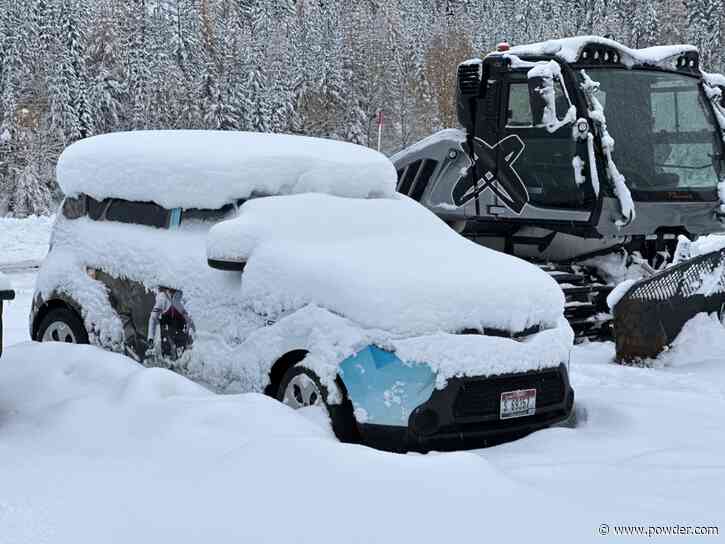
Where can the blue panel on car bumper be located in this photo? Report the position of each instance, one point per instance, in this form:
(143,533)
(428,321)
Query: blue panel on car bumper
(383,389)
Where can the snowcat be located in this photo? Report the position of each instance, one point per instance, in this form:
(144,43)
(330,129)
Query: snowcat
(596,161)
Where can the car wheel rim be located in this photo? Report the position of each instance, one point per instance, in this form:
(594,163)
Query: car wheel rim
(302,391)
(59,332)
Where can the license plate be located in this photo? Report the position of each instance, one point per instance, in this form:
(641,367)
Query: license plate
(518,403)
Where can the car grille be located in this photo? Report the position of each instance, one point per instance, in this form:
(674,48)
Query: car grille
(482,397)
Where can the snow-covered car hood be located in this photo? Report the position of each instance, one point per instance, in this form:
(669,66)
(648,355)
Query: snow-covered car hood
(388,264)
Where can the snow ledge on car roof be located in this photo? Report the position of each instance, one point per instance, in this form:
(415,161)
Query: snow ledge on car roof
(208,169)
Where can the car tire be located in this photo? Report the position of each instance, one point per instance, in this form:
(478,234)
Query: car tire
(301,387)
(62,325)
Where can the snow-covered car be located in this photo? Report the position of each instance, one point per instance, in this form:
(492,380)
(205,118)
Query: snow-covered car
(6,293)
(290,266)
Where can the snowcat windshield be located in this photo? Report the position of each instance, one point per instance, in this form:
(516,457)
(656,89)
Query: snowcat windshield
(665,136)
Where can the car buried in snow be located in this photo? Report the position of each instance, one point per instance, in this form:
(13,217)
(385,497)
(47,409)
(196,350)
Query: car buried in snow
(6,293)
(290,266)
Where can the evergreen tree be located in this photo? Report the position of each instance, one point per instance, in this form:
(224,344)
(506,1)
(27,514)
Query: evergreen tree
(69,84)
(704,23)
(73,68)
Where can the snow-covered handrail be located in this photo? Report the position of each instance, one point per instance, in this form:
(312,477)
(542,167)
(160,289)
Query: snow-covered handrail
(596,114)
(548,71)
(713,85)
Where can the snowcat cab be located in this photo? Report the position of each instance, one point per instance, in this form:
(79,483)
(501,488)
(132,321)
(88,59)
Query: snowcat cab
(576,149)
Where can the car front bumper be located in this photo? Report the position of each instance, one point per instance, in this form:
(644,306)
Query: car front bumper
(465,414)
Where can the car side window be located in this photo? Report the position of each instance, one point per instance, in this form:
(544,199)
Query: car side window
(138,213)
(74,208)
(196,215)
(95,208)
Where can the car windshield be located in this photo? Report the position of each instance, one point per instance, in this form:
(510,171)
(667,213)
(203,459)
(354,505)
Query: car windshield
(207,216)
(665,134)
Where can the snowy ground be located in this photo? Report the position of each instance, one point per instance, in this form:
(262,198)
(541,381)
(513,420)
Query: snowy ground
(95,449)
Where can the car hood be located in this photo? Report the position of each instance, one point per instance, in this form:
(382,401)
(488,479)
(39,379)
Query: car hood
(388,264)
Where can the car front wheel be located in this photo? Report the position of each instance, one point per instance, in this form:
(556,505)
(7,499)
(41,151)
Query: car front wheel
(62,325)
(302,388)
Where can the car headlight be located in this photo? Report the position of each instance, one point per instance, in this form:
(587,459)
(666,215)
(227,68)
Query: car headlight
(383,389)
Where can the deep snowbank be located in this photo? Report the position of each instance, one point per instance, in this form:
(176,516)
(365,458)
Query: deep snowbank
(95,449)
(24,241)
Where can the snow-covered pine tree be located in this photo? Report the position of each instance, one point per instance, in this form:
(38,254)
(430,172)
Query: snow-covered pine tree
(704,30)
(71,108)
(137,62)
(105,69)
(257,100)
(644,24)
(29,192)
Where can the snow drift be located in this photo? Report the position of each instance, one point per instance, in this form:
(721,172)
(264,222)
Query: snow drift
(97,450)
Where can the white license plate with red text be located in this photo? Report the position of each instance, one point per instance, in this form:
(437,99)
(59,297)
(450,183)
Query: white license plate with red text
(518,403)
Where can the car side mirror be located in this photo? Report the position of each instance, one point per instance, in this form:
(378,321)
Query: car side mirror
(536,99)
(227,265)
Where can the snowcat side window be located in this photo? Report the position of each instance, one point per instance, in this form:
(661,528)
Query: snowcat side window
(519,110)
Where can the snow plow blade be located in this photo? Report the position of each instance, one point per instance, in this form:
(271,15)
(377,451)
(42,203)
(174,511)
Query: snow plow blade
(652,312)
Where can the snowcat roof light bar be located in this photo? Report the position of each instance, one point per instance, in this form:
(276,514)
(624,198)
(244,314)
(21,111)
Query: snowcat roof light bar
(599,55)
(689,62)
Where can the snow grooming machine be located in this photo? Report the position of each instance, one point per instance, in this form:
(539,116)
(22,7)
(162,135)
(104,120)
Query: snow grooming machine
(534,172)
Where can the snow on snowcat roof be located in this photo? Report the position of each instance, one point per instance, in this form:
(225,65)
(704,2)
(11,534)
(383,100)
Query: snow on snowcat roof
(209,169)
(571,49)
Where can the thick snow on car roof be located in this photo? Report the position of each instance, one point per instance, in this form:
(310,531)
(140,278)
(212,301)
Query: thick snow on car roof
(208,169)
(569,49)
(389,264)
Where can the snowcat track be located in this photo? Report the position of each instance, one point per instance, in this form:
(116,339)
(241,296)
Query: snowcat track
(652,312)
(586,302)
